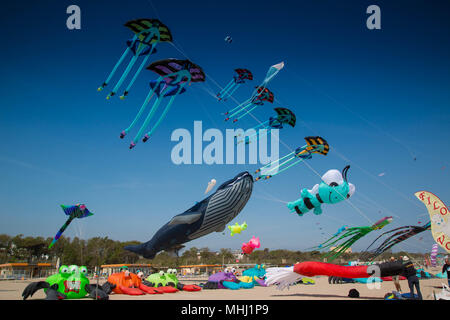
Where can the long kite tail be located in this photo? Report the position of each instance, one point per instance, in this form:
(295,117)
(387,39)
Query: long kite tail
(224,91)
(125,53)
(61,230)
(136,74)
(139,114)
(230,93)
(163,115)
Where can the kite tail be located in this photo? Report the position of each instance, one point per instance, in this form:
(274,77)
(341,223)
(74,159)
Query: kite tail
(147,121)
(282,277)
(229,94)
(125,53)
(243,105)
(61,230)
(141,47)
(163,115)
(247,112)
(222,92)
(144,61)
(138,116)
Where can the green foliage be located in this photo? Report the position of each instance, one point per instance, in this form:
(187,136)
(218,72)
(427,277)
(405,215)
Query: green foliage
(98,251)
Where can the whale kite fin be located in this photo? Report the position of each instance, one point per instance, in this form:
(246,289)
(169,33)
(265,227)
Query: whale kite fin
(185,218)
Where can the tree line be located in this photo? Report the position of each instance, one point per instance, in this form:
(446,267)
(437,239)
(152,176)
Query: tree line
(102,250)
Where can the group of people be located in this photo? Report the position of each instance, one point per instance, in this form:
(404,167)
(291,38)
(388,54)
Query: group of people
(410,272)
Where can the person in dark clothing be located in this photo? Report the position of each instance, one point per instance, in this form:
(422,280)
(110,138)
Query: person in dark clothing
(445,268)
(411,274)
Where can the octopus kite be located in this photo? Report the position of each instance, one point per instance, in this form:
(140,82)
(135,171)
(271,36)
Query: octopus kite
(393,237)
(313,145)
(147,34)
(174,76)
(235,83)
(263,95)
(349,235)
(284,116)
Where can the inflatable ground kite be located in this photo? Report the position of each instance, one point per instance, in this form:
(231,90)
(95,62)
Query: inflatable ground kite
(69,283)
(285,277)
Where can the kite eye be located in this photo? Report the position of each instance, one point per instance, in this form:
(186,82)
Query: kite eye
(73,269)
(233,270)
(64,269)
(333,184)
(174,271)
(83,270)
(161,273)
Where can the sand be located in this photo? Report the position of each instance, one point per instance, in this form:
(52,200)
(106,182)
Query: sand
(321,290)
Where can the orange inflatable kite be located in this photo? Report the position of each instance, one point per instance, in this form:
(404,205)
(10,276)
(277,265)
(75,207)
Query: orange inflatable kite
(130,283)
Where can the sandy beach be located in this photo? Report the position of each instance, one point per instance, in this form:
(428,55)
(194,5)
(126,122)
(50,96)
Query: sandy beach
(321,290)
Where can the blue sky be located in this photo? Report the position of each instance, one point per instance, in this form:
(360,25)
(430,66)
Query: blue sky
(379,97)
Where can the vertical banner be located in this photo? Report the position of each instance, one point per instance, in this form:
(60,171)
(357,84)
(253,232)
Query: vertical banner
(439,217)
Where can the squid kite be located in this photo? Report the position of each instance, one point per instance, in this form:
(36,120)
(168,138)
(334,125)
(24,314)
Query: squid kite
(313,145)
(174,75)
(349,237)
(258,97)
(284,116)
(263,94)
(77,211)
(235,83)
(394,237)
(147,34)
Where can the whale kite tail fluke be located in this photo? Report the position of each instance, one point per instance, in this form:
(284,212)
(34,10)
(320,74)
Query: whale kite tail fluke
(138,249)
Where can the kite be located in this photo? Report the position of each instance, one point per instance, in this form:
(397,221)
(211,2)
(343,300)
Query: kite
(439,216)
(228,39)
(211,214)
(237,228)
(285,277)
(284,116)
(248,247)
(258,97)
(350,236)
(263,94)
(396,236)
(174,75)
(147,34)
(313,145)
(211,185)
(71,282)
(235,83)
(433,255)
(334,188)
(77,211)
(271,73)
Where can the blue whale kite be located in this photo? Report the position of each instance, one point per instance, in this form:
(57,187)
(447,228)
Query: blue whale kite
(210,215)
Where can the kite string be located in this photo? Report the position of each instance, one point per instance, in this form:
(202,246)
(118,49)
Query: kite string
(288,147)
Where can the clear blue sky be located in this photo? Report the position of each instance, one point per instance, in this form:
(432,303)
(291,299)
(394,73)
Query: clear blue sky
(379,97)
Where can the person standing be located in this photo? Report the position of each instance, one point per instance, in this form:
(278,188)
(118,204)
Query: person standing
(396,279)
(445,268)
(411,274)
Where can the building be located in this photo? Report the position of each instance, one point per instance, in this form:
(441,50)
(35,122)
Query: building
(23,271)
(200,269)
(108,269)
